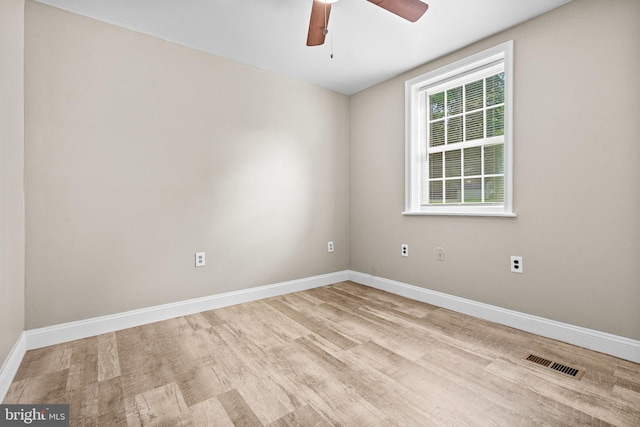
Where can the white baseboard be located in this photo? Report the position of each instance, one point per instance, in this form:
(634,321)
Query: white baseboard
(614,345)
(11,364)
(36,338)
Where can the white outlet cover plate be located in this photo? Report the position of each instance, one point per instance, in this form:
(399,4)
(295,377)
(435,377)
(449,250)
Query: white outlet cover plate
(200,259)
(404,250)
(516,264)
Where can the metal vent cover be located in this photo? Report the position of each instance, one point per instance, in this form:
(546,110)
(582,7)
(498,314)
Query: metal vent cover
(564,369)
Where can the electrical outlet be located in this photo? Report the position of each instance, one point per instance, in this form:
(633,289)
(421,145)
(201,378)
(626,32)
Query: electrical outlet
(516,264)
(200,260)
(440,254)
(330,247)
(404,250)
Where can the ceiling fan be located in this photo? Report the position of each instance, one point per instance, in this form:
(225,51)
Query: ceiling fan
(411,10)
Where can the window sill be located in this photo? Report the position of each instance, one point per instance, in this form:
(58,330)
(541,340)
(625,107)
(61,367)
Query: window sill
(458,213)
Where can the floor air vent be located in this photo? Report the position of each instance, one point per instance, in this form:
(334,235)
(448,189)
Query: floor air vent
(539,360)
(567,370)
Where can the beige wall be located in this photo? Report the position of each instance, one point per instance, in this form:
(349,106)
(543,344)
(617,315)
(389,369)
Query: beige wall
(140,153)
(11,174)
(577,178)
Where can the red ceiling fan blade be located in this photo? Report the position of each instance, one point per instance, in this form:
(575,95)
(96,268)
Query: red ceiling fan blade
(411,10)
(318,23)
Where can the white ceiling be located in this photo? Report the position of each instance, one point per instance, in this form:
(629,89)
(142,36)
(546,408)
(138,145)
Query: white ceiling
(370,45)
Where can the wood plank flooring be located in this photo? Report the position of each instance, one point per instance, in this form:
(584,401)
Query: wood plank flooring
(341,355)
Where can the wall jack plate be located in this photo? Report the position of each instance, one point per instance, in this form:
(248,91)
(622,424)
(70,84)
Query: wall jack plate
(516,264)
(404,250)
(200,260)
(330,247)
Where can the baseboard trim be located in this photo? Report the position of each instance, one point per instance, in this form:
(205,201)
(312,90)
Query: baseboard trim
(51,335)
(11,364)
(603,342)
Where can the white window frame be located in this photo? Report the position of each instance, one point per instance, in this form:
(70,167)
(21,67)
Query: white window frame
(414,134)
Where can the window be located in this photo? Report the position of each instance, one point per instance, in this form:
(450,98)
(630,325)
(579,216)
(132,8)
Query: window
(458,137)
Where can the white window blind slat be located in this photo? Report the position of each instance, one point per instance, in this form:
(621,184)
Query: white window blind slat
(469,110)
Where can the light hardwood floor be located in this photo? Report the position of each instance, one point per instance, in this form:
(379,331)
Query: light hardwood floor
(339,355)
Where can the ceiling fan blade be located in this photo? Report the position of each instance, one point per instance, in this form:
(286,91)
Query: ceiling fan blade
(318,23)
(411,10)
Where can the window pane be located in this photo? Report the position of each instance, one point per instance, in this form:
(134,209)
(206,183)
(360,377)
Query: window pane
(436,136)
(435,165)
(452,163)
(435,192)
(436,106)
(458,142)
(454,101)
(473,94)
(454,130)
(475,127)
(473,161)
(453,191)
(494,189)
(495,121)
(495,89)
(493,159)
(473,190)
